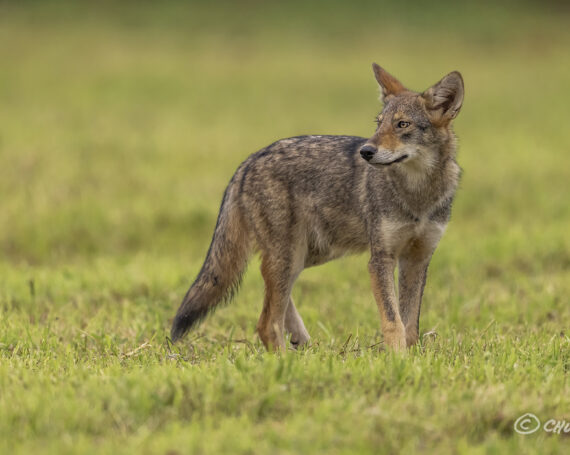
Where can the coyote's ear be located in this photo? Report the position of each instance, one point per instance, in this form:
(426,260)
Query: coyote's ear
(444,99)
(389,84)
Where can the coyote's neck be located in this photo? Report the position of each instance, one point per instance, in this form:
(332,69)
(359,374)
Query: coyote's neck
(422,185)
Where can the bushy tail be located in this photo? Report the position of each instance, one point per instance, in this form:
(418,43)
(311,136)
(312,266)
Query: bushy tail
(222,271)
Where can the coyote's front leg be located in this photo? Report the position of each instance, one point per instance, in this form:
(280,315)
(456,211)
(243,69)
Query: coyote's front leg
(381,268)
(412,274)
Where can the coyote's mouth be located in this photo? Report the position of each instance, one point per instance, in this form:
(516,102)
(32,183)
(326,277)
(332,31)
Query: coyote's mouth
(382,157)
(397,160)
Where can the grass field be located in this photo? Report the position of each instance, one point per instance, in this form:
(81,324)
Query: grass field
(120,126)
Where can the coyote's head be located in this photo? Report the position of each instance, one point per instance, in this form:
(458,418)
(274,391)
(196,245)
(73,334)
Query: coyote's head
(414,129)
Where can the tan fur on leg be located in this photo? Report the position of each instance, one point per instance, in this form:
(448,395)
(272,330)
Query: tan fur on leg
(382,279)
(271,324)
(294,325)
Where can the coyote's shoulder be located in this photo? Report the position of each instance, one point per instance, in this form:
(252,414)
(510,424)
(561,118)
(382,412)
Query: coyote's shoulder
(305,200)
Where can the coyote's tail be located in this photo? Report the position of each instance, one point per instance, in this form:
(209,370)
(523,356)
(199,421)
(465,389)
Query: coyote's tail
(222,271)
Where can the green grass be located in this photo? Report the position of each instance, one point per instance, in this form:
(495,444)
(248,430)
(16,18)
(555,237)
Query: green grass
(120,126)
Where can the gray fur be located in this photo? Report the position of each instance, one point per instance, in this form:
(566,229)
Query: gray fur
(303,201)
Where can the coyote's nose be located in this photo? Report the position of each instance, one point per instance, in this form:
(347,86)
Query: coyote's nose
(367,152)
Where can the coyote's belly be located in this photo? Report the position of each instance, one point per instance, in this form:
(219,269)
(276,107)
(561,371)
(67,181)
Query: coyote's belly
(330,234)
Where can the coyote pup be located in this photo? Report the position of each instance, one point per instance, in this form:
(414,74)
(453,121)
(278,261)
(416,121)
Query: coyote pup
(305,200)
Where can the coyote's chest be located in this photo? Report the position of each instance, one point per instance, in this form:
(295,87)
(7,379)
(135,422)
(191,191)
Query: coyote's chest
(422,234)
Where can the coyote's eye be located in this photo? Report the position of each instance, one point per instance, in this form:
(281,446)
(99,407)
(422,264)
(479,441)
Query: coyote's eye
(403,124)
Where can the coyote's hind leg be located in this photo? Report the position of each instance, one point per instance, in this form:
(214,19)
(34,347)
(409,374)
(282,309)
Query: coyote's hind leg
(278,283)
(294,325)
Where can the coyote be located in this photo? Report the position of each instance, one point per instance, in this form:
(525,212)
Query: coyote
(305,200)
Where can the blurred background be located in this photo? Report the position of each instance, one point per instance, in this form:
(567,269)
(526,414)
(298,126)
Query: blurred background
(122,122)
